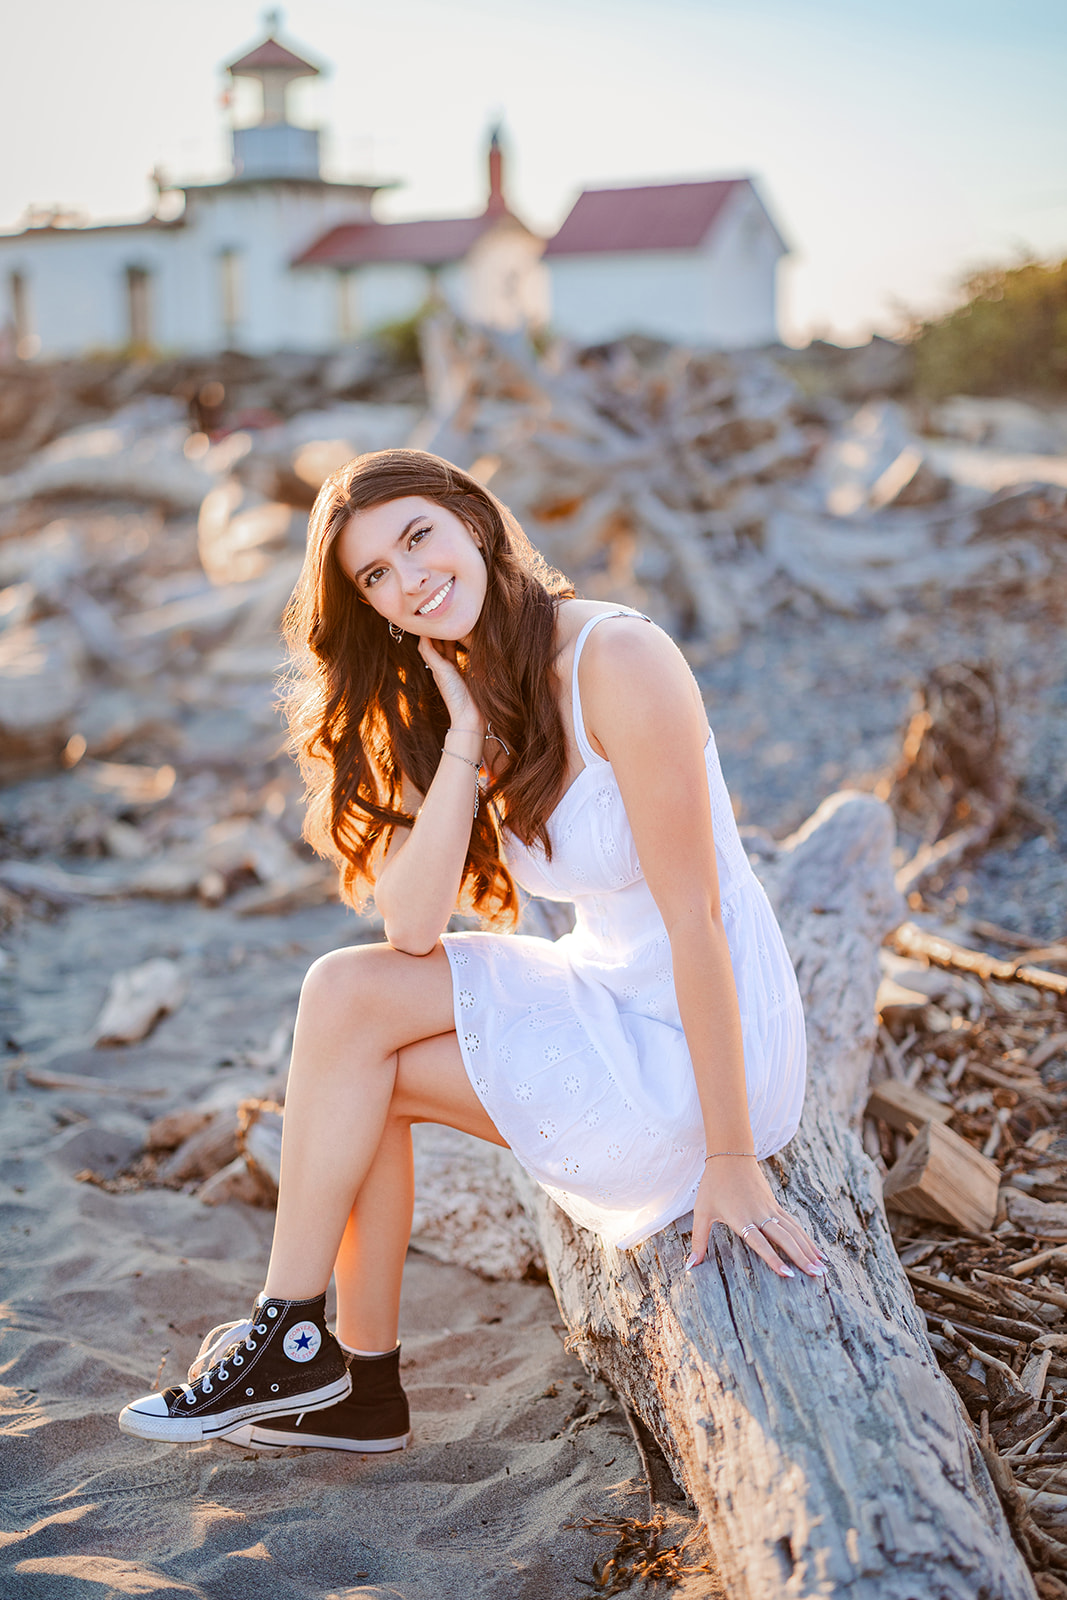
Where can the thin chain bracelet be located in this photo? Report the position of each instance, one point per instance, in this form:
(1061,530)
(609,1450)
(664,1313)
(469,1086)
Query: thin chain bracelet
(714,1153)
(477,772)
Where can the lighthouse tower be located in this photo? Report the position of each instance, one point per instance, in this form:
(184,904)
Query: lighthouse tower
(273,147)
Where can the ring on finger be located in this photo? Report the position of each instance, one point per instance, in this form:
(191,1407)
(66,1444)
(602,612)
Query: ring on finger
(750,1227)
(771,1218)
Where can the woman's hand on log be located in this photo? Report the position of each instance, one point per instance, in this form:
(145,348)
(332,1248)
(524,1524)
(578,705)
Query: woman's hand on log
(734,1190)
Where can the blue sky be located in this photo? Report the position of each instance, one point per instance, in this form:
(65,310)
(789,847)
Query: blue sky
(897,144)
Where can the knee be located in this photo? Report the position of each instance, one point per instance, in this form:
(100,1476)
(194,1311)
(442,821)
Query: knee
(341,982)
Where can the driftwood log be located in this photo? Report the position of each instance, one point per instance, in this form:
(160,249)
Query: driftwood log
(813,1430)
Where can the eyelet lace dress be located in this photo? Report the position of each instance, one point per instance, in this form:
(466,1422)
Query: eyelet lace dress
(576,1048)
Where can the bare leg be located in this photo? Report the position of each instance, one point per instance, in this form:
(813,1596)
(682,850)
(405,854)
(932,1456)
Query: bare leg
(361,1011)
(370,1262)
(431,1086)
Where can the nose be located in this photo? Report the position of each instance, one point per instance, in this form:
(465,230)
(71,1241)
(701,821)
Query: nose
(413,575)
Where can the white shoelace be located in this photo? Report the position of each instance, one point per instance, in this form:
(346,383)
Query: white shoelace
(220,1343)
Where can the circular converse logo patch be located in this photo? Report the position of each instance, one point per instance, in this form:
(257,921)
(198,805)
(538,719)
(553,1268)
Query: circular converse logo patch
(302,1341)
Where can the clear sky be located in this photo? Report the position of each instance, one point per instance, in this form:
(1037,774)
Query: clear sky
(897,142)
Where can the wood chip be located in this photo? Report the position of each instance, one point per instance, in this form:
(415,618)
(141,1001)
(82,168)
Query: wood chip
(1043,1219)
(1046,1050)
(943,1177)
(1035,1372)
(952,1290)
(1026,1303)
(83,1084)
(904,1107)
(1019,1269)
(1008,1373)
(909,940)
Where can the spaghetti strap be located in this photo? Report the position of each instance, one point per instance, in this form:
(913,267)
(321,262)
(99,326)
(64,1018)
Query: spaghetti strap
(589,755)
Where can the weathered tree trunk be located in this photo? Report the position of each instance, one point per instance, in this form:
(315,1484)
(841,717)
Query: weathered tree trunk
(812,1428)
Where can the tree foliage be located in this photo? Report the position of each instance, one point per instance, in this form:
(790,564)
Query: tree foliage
(1008,335)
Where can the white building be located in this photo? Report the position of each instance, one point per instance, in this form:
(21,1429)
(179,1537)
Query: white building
(487,268)
(693,262)
(277,257)
(272,257)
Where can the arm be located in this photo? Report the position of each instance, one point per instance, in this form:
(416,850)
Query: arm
(418,885)
(643,707)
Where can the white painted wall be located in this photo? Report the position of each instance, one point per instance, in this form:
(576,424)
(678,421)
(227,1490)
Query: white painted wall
(75,280)
(267,224)
(743,253)
(505,284)
(501,282)
(77,286)
(722,294)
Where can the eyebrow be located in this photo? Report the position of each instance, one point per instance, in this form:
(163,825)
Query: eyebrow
(377,562)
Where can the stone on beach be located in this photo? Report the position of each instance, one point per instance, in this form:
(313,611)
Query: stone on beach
(137,999)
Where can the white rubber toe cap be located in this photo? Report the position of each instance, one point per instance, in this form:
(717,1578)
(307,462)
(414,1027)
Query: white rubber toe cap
(148,1418)
(149,1405)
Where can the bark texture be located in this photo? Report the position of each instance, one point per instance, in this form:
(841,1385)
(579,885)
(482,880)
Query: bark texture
(812,1428)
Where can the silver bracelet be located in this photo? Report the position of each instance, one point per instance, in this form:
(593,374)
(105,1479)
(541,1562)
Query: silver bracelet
(445,751)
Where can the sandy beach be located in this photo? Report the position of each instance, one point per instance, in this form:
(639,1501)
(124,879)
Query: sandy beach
(104,1293)
(148,812)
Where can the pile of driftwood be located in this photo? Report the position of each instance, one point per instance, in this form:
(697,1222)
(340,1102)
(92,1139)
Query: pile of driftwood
(972,1063)
(41,401)
(144,564)
(708,491)
(955,783)
(146,554)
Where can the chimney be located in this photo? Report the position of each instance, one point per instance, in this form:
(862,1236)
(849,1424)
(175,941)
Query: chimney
(496,205)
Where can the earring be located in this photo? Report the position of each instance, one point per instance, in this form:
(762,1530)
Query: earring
(395,633)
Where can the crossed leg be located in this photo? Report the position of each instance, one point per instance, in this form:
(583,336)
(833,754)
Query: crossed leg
(374,1051)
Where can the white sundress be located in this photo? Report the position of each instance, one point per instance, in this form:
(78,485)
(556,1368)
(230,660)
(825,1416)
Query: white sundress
(575,1046)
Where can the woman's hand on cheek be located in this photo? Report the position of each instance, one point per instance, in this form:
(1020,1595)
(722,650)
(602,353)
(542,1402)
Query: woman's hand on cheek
(440,656)
(734,1190)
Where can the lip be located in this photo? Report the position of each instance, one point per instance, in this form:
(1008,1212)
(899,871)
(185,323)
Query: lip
(449,586)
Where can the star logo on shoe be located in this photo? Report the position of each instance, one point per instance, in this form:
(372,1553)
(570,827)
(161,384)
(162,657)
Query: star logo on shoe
(302,1341)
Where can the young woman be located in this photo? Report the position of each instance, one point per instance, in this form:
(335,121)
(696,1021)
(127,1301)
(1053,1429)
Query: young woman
(465,722)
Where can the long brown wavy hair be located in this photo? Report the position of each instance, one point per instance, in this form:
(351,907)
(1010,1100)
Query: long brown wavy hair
(363,712)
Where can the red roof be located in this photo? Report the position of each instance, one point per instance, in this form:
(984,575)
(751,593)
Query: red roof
(658,216)
(272,56)
(430,243)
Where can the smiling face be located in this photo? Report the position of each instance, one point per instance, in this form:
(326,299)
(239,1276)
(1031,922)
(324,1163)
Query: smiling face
(418,565)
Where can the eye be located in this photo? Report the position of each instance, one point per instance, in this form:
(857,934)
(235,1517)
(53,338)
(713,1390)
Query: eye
(372,577)
(419,533)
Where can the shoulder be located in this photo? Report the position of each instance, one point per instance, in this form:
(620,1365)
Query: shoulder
(632,653)
(574,615)
(632,673)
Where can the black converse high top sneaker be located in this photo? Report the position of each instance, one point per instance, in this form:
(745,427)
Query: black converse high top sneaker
(283,1358)
(373,1417)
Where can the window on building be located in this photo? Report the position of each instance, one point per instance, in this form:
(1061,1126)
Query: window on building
(138,308)
(752,234)
(232,285)
(27,343)
(435,294)
(347,304)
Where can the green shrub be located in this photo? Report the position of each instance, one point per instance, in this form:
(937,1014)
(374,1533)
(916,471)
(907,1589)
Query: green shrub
(400,339)
(1008,336)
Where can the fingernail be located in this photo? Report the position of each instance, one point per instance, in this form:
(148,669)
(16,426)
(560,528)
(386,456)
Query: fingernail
(816,1270)
(691,1263)
(821,1254)
(787,1272)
